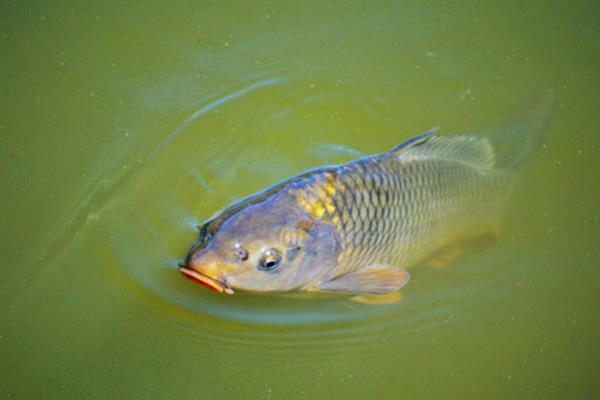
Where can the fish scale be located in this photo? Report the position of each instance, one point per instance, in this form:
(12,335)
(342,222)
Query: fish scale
(392,209)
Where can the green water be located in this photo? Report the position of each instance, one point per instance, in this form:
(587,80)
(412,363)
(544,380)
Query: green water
(123,127)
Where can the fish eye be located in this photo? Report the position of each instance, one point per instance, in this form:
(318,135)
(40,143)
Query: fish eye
(271,258)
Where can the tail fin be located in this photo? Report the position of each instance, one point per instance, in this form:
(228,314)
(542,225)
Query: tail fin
(523,134)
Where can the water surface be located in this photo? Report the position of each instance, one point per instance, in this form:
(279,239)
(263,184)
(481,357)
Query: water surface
(123,128)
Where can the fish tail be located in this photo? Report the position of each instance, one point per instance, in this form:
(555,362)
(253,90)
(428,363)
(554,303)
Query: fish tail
(517,141)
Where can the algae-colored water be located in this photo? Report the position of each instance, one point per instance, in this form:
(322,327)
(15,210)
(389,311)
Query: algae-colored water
(124,126)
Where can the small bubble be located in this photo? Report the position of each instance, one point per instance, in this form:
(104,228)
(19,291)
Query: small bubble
(92,217)
(466,94)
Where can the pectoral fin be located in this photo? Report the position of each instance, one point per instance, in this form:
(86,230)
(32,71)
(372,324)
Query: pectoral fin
(374,279)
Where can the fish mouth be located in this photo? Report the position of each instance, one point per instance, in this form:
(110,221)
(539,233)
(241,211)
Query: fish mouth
(206,281)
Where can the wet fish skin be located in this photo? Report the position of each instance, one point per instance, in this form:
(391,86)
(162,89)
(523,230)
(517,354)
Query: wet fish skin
(378,214)
(399,207)
(355,228)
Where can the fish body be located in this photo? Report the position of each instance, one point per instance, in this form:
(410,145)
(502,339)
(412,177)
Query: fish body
(356,228)
(399,207)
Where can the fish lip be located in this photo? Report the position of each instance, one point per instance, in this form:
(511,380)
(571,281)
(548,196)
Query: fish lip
(205,280)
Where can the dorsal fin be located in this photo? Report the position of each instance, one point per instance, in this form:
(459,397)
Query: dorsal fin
(417,140)
(469,150)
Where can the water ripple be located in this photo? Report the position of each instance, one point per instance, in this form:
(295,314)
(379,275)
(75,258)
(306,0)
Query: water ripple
(144,206)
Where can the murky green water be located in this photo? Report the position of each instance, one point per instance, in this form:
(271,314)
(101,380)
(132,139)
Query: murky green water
(121,128)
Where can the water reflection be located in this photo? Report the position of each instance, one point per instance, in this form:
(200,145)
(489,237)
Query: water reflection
(144,210)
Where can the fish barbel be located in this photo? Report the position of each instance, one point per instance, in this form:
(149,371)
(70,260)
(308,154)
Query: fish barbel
(355,228)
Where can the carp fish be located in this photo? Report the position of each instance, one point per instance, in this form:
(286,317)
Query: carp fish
(356,228)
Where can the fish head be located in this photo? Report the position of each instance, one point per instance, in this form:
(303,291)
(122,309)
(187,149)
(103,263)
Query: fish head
(273,246)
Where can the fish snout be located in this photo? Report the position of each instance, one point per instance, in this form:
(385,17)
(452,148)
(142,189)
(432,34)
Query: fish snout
(196,250)
(201,261)
(203,268)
